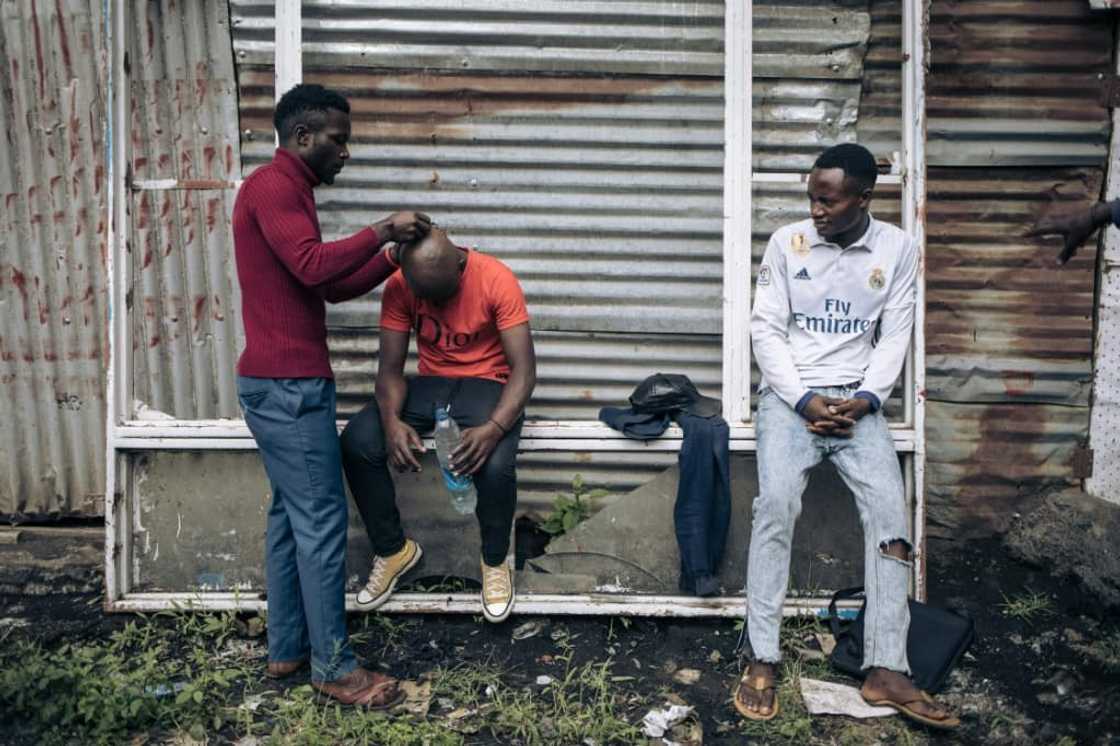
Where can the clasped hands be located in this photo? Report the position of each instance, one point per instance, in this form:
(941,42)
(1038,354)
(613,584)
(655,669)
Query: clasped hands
(827,415)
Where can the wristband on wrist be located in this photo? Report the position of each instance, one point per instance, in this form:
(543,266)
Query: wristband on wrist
(499,426)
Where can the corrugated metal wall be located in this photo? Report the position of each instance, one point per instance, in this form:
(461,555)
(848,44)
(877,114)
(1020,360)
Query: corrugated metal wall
(1009,336)
(575,140)
(53,333)
(186,304)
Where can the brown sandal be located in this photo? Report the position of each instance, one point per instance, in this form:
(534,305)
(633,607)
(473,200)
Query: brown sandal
(948,722)
(756,683)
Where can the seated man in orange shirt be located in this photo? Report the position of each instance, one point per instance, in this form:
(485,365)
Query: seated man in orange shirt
(476,356)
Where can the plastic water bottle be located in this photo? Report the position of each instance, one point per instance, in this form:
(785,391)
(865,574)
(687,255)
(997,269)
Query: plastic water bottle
(464,497)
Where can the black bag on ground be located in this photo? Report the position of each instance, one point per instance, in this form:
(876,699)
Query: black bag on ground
(937,639)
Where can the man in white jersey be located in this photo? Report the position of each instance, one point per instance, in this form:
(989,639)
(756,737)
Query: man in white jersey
(832,320)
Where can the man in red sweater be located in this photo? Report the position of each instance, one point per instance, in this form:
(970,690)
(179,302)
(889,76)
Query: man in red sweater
(286,386)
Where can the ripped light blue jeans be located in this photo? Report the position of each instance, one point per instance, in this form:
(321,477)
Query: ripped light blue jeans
(869,466)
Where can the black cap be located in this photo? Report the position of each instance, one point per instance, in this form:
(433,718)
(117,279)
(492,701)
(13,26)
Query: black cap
(672,392)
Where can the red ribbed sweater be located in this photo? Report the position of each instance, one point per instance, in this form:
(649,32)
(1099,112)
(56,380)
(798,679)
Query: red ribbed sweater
(286,271)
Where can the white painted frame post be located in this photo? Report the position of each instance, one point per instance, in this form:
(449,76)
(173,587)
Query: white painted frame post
(117,377)
(289,46)
(915,22)
(738,152)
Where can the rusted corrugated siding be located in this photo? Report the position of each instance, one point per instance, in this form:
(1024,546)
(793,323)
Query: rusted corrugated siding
(1015,83)
(1009,345)
(1009,336)
(186,304)
(53,345)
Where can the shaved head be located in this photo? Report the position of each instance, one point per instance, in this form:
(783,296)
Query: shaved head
(431,266)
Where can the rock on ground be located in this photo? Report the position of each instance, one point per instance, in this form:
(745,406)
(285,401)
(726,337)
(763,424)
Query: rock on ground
(1073,534)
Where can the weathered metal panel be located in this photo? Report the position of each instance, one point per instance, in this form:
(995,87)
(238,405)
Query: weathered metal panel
(1003,323)
(1016,83)
(53,345)
(880,105)
(986,462)
(814,39)
(186,303)
(1009,344)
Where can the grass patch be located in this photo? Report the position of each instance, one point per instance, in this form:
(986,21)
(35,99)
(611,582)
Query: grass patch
(139,679)
(298,720)
(193,675)
(1027,606)
(582,704)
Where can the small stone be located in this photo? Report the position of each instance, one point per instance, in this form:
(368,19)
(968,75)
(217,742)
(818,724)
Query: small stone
(687,676)
(544,680)
(715,657)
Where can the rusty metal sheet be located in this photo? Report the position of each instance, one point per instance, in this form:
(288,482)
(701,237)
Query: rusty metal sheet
(186,303)
(1003,323)
(1016,83)
(1009,344)
(53,335)
(985,463)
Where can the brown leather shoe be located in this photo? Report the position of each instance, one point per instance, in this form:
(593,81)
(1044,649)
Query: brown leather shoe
(282,669)
(362,688)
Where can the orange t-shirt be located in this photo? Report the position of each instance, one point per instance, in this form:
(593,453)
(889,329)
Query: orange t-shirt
(460,338)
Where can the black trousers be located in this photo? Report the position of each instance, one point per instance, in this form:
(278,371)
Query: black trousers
(365,460)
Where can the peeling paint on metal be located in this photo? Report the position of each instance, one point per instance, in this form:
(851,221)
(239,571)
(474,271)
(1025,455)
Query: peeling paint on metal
(186,302)
(53,342)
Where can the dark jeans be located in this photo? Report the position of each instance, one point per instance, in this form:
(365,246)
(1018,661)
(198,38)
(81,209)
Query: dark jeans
(365,460)
(702,513)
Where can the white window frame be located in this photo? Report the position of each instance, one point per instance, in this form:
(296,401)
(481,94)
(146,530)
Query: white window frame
(126,434)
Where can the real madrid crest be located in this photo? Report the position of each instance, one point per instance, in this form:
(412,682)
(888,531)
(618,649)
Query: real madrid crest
(764,276)
(876,280)
(799,244)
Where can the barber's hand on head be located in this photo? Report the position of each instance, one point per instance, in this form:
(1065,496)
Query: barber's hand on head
(824,419)
(475,446)
(402,227)
(400,441)
(1073,226)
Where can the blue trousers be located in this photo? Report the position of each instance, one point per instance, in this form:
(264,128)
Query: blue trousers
(293,422)
(702,512)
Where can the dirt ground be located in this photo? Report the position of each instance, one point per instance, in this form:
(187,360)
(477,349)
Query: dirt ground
(1045,669)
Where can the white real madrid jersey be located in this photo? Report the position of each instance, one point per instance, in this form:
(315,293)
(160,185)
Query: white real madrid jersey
(826,316)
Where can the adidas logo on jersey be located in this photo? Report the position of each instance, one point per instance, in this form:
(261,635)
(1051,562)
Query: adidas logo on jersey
(803,274)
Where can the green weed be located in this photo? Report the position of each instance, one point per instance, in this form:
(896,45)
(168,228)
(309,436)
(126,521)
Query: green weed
(569,512)
(1026,606)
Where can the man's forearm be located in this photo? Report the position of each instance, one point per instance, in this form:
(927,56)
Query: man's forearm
(515,395)
(390,393)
